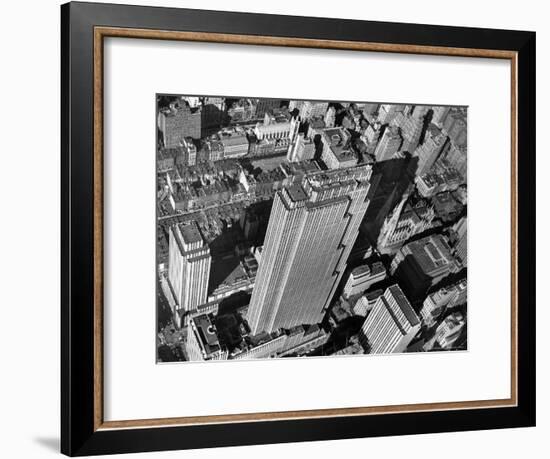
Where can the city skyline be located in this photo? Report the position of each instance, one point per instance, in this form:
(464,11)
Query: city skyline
(306,228)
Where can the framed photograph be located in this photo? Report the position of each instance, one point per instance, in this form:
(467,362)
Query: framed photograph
(280,229)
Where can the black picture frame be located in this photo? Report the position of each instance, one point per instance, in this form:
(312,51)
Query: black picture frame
(79,435)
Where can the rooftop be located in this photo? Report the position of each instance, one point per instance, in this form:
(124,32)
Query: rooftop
(373,269)
(430,253)
(303,167)
(296,192)
(207,333)
(403,304)
(234,139)
(190,233)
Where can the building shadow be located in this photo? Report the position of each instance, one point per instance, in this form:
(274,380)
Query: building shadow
(390,179)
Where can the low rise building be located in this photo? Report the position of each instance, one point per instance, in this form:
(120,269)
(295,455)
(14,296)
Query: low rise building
(431,184)
(448,333)
(235,145)
(438,302)
(202,341)
(363,277)
(262,346)
(366,302)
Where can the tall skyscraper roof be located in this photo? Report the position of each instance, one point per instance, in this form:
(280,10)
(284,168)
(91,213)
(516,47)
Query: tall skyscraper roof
(311,230)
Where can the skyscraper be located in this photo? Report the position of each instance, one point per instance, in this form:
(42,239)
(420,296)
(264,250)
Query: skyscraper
(179,121)
(308,109)
(188,266)
(459,239)
(311,231)
(391,325)
(265,105)
(411,127)
(429,151)
(389,144)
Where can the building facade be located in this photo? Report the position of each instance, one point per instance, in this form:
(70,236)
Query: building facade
(202,342)
(311,231)
(431,148)
(389,144)
(443,299)
(366,302)
(188,266)
(362,277)
(178,122)
(391,325)
(309,109)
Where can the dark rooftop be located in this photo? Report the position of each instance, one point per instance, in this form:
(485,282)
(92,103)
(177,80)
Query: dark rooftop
(296,192)
(190,233)
(404,304)
(207,333)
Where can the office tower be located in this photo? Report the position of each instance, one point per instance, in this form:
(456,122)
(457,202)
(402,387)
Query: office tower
(459,239)
(421,264)
(371,135)
(387,112)
(362,277)
(265,105)
(178,122)
(243,110)
(311,231)
(212,115)
(250,224)
(308,109)
(391,325)
(301,149)
(455,125)
(330,117)
(389,144)
(369,109)
(430,150)
(456,157)
(411,127)
(188,266)
(439,115)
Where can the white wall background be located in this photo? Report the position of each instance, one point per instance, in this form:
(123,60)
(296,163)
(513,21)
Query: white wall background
(29,230)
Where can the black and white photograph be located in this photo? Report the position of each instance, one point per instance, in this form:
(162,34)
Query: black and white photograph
(307,228)
(341,196)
